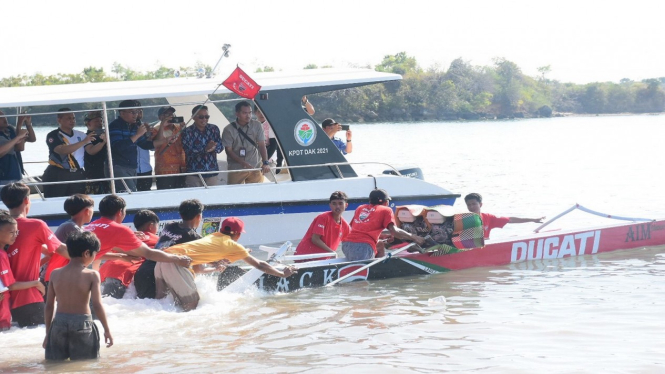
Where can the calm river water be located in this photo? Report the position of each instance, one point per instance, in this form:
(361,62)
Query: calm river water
(594,314)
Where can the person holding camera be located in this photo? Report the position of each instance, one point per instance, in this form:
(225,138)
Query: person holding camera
(331,127)
(95,154)
(169,155)
(65,157)
(126,137)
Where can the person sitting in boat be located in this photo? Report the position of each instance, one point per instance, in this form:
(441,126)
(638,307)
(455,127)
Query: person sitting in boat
(245,145)
(116,275)
(66,156)
(331,127)
(10,144)
(218,249)
(191,213)
(474,202)
(169,155)
(126,136)
(368,222)
(327,230)
(96,155)
(201,143)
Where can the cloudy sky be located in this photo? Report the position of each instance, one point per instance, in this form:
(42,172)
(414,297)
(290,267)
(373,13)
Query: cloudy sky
(583,41)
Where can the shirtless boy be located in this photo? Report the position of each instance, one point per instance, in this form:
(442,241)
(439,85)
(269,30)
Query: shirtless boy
(72,333)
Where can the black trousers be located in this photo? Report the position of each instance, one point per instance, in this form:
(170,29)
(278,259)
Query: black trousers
(56,174)
(29,315)
(144,184)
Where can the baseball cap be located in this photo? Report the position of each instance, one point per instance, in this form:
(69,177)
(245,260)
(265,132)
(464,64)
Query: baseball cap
(328,122)
(378,196)
(164,109)
(233,225)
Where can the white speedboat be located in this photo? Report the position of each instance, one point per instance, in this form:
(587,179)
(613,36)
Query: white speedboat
(282,207)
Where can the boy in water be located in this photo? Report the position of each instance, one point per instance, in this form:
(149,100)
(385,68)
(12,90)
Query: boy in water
(8,233)
(72,333)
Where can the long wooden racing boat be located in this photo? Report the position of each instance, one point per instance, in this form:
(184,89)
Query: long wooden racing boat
(544,246)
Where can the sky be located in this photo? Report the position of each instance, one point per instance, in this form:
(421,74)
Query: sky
(582,41)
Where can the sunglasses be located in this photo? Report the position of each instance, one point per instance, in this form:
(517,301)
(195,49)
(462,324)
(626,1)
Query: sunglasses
(202,117)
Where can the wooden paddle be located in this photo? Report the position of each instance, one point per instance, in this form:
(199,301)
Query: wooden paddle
(370,264)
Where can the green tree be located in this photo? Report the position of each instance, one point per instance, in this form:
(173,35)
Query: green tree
(398,64)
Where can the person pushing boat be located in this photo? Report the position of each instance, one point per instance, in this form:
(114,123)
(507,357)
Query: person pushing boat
(474,201)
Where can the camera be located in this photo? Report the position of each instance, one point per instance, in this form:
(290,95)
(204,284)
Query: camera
(99,132)
(177,120)
(346,127)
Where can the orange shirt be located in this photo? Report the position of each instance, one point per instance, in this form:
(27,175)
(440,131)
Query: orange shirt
(171,160)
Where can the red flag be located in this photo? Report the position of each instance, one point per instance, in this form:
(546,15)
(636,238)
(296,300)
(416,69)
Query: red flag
(240,83)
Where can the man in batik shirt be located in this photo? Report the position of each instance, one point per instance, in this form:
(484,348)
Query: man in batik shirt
(201,143)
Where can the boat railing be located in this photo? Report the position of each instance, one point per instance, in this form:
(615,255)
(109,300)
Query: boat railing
(587,210)
(201,174)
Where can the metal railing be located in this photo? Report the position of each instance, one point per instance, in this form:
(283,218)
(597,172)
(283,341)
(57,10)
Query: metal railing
(201,174)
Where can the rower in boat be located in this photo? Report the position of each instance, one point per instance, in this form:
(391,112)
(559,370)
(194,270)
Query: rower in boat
(474,202)
(327,230)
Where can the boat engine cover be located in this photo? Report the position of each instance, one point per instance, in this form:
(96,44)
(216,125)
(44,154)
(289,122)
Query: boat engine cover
(408,171)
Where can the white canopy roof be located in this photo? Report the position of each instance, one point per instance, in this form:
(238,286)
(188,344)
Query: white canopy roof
(175,87)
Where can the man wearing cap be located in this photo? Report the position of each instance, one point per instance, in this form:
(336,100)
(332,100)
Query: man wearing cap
(368,222)
(331,127)
(245,143)
(201,143)
(169,155)
(126,136)
(66,156)
(95,154)
(218,250)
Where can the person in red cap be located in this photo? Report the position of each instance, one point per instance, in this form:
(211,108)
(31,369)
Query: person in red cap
(368,222)
(216,250)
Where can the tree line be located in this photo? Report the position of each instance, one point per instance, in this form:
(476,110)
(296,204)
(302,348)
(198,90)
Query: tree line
(462,91)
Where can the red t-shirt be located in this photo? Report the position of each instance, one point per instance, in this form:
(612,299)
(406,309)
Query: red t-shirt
(368,222)
(332,233)
(122,270)
(24,256)
(56,261)
(7,279)
(491,221)
(113,235)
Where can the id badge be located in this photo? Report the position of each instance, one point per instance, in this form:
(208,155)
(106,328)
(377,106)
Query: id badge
(243,152)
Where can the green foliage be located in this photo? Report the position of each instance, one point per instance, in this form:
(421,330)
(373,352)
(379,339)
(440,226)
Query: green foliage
(462,91)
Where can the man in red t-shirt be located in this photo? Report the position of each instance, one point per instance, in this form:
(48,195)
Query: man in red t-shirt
(24,255)
(368,222)
(114,236)
(474,202)
(327,230)
(116,275)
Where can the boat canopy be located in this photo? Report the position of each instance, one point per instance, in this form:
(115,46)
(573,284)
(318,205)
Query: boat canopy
(179,87)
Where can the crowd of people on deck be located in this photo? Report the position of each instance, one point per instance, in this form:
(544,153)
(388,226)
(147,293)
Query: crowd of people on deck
(81,158)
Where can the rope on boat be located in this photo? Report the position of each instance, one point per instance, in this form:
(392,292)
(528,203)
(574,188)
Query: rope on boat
(587,210)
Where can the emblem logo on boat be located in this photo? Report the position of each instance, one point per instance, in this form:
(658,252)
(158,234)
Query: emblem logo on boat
(305,132)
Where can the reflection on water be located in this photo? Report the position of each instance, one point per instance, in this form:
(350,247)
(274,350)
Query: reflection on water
(600,313)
